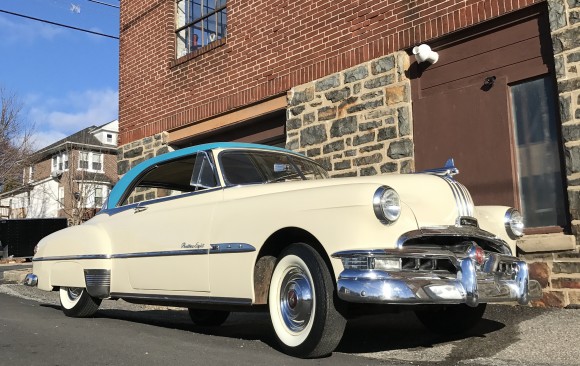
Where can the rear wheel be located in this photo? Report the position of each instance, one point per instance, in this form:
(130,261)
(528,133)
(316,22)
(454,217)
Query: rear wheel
(451,319)
(301,303)
(208,318)
(77,303)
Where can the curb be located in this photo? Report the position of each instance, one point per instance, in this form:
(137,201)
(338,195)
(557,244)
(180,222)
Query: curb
(16,276)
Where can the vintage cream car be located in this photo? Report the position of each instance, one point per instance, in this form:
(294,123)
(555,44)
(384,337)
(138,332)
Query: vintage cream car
(228,227)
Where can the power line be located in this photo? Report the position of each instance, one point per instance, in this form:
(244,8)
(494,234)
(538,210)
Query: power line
(106,4)
(58,24)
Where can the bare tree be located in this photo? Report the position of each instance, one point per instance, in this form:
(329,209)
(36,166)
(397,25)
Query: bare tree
(15,140)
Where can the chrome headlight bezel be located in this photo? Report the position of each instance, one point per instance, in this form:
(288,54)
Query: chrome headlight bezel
(387,205)
(514,224)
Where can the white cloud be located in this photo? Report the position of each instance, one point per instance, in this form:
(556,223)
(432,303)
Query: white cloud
(58,118)
(29,32)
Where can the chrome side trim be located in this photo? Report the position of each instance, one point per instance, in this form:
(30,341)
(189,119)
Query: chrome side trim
(169,253)
(221,248)
(72,257)
(231,248)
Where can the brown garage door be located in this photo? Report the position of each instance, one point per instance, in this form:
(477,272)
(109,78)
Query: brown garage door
(475,105)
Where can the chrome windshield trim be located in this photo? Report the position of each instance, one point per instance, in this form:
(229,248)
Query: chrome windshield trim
(224,248)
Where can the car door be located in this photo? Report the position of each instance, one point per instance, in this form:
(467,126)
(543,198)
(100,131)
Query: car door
(161,233)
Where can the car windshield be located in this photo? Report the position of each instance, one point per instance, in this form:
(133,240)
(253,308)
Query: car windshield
(256,167)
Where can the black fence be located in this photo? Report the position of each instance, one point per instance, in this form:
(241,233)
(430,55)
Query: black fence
(18,237)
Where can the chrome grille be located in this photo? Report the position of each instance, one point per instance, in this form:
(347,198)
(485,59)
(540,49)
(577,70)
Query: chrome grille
(356,262)
(462,197)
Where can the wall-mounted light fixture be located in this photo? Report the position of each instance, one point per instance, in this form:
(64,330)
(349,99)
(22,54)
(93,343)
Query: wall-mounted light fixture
(424,53)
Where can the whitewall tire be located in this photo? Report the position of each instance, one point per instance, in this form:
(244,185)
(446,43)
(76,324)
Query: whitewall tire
(302,306)
(76,302)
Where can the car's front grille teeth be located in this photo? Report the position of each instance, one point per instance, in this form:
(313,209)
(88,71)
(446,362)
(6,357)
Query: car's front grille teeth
(428,265)
(507,268)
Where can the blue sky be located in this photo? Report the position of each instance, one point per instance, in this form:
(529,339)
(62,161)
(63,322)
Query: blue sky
(66,79)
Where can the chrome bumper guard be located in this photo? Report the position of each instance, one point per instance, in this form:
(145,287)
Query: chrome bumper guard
(31,280)
(472,284)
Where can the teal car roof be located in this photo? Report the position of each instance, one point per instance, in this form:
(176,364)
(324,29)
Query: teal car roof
(124,183)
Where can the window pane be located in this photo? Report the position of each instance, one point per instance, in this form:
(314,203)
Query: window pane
(540,176)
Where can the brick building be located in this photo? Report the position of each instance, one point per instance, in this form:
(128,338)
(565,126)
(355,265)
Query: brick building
(70,178)
(338,81)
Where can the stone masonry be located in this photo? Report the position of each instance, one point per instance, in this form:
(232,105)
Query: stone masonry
(133,153)
(356,122)
(565,28)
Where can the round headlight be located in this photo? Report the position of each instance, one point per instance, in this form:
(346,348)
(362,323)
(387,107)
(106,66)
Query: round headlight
(514,223)
(386,205)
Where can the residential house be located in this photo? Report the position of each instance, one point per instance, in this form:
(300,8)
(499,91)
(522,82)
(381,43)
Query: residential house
(70,178)
(340,82)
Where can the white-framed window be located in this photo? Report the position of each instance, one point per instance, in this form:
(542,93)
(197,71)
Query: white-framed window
(93,194)
(60,161)
(97,162)
(199,23)
(91,161)
(98,197)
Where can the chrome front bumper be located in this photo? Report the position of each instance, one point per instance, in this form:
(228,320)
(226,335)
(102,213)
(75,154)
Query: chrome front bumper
(472,284)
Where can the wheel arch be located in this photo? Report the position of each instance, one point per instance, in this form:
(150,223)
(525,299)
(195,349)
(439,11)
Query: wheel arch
(271,250)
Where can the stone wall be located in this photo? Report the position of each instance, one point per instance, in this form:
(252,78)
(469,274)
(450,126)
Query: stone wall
(559,275)
(356,122)
(135,152)
(565,27)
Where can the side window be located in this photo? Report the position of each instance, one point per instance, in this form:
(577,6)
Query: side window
(171,179)
(203,176)
(239,168)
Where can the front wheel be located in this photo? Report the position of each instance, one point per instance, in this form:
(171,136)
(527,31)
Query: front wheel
(302,306)
(77,303)
(451,319)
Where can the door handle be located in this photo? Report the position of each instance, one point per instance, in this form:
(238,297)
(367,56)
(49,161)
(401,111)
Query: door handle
(139,209)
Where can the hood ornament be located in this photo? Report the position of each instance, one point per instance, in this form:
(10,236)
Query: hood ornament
(449,169)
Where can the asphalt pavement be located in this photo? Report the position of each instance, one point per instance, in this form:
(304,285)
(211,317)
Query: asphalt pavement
(33,331)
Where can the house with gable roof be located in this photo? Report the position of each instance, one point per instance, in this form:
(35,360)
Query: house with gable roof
(70,178)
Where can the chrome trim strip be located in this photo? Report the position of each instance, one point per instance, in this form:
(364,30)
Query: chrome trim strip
(169,253)
(224,248)
(72,257)
(183,299)
(221,248)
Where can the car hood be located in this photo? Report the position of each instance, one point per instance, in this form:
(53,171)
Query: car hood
(434,200)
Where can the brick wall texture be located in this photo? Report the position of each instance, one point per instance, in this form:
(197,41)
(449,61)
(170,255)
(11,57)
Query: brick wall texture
(272,46)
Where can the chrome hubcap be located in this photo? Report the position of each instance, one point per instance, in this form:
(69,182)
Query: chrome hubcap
(296,301)
(74,293)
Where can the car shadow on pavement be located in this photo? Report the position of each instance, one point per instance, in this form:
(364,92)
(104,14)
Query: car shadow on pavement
(388,332)
(376,333)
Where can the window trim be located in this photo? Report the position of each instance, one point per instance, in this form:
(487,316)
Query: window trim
(202,49)
(139,178)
